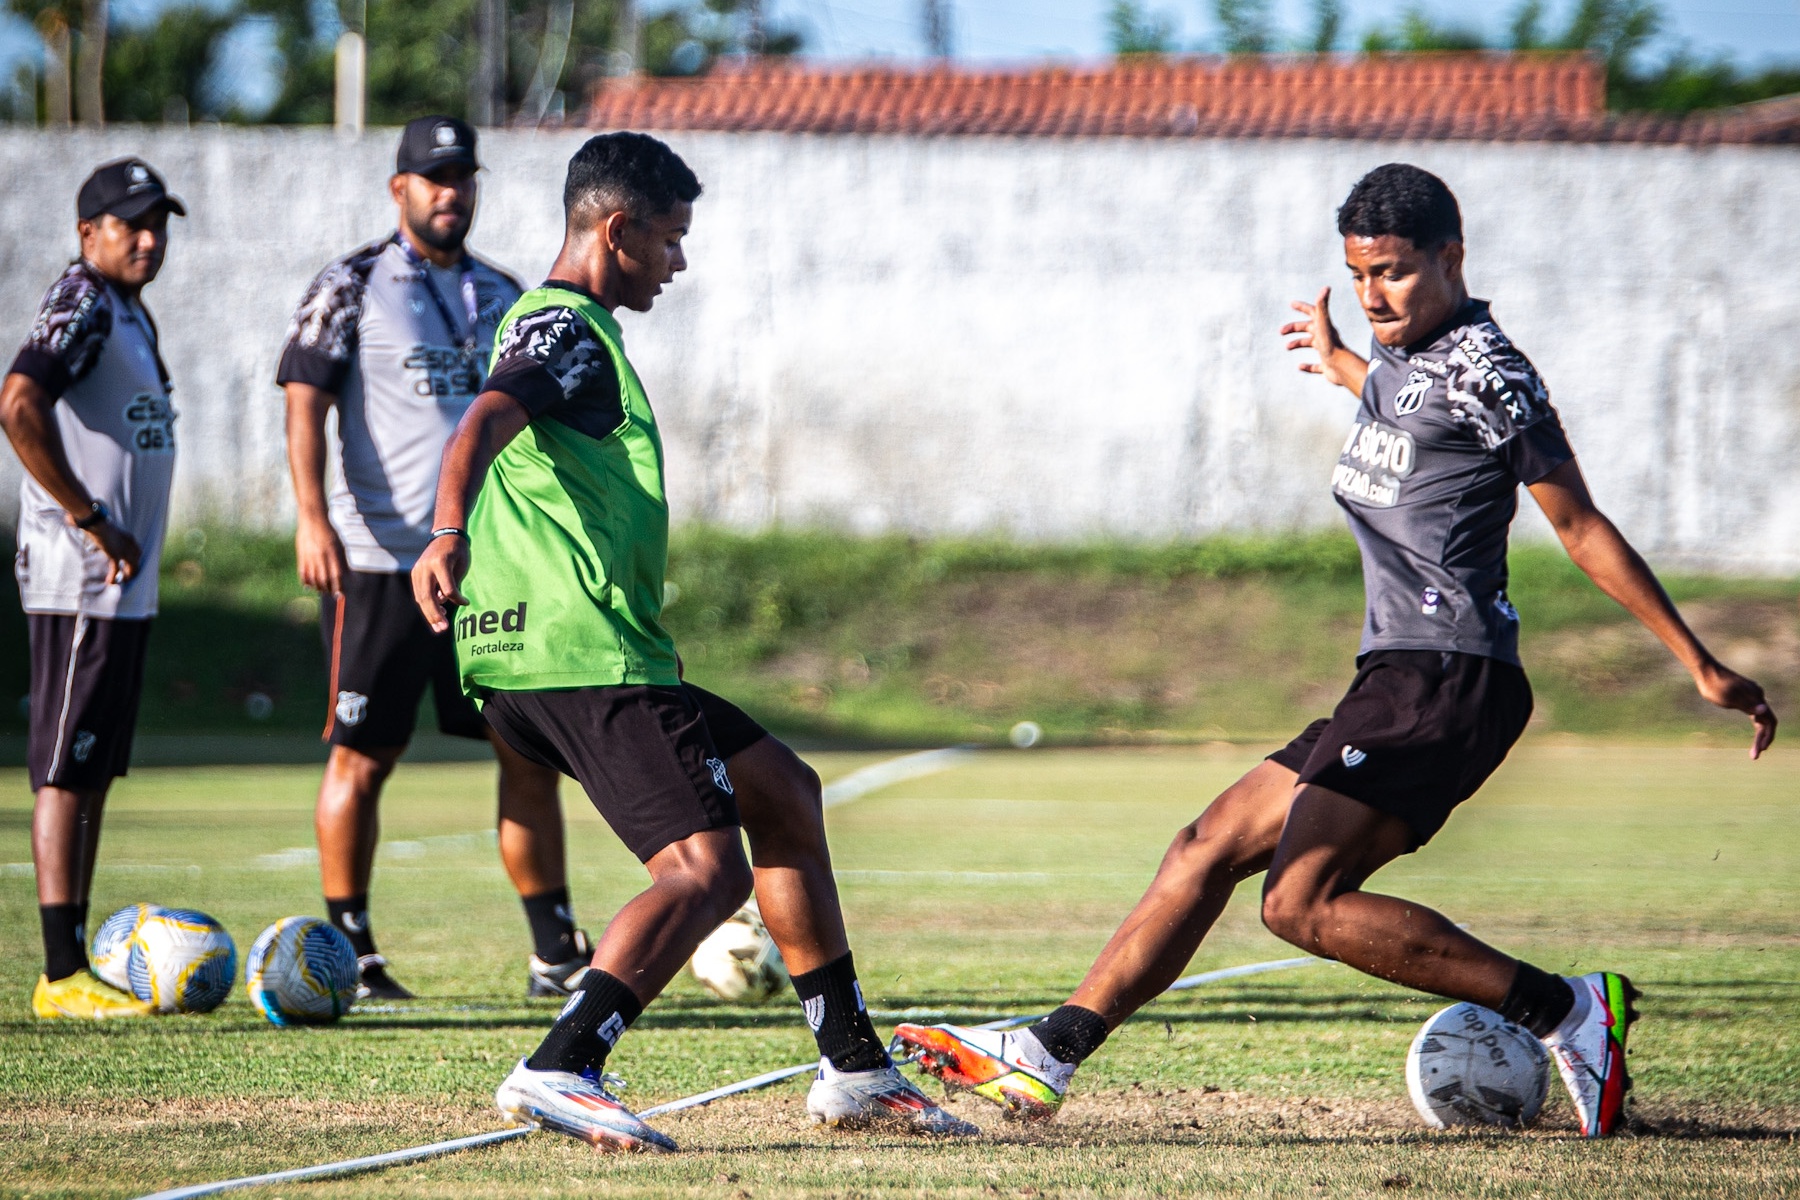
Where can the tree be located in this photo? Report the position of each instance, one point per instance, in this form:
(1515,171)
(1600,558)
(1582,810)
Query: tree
(1328,22)
(1418,32)
(1245,26)
(1130,30)
(158,72)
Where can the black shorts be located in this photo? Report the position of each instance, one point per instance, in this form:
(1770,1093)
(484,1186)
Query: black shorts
(652,759)
(381,655)
(1417,733)
(87,674)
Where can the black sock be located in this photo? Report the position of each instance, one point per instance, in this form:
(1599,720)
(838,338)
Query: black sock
(1071,1033)
(1537,1000)
(590,1024)
(833,1003)
(552,924)
(64,953)
(351,916)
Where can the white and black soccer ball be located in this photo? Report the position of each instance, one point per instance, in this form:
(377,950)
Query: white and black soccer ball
(110,950)
(738,961)
(1471,1066)
(180,960)
(301,971)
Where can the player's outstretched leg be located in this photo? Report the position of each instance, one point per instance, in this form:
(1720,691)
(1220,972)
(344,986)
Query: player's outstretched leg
(857,1086)
(1028,1072)
(1313,898)
(696,883)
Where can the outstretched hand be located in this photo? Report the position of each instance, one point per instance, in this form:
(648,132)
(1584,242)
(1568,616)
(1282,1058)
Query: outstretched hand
(1727,689)
(437,579)
(1336,362)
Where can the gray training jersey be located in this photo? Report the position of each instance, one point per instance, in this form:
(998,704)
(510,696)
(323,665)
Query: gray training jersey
(404,367)
(96,351)
(1429,477)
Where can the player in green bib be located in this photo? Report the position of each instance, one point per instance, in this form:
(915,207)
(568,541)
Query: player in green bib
(548,561)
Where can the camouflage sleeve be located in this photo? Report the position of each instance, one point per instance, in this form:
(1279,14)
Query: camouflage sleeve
(551,362)
(71,329)
(321,339)
(1498,396)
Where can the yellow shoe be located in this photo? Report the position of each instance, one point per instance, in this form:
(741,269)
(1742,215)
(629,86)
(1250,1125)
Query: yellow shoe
(85,998)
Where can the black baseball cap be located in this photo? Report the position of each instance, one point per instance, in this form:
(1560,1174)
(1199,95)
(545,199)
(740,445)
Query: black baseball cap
(428,144)
(127,188)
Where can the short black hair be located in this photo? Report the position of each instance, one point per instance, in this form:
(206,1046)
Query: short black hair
(1402,200)
(632,172)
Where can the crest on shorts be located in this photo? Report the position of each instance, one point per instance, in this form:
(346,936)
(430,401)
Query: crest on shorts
(352,707)
(1353,757)
(721,780)
(1429,599)
(82,746)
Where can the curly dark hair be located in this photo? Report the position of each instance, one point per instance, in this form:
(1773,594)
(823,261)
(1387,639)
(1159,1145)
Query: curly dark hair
(629,171)
(1402,200)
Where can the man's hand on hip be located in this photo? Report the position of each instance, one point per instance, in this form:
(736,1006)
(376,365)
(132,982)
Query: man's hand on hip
(121,549)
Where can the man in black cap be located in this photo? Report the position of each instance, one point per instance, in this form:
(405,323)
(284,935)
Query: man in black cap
(86,406)
(396,335)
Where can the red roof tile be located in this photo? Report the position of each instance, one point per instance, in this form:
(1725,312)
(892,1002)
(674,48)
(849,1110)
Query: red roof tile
(1507,97)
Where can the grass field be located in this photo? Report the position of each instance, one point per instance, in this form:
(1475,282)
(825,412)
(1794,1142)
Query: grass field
(980,891)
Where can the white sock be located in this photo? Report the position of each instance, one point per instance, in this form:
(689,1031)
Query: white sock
(1584,1000)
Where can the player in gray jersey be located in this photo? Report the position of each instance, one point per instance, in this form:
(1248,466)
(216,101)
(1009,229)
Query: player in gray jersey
(395,337)
(86,406)
(1453,420)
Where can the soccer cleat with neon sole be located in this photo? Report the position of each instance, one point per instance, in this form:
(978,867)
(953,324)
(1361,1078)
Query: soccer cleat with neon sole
(1010,1069)
(84,998)
(1589,1049)
(578,1106)
(881,1098)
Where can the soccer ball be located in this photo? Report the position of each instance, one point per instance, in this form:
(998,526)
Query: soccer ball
(181,961)
(301,971)
(111,947)
(739,961)
(1471,1066)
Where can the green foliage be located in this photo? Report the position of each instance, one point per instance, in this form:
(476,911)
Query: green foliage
(1245,26)
(1328,23)
(1418,32)
(1133,30)
(157,72)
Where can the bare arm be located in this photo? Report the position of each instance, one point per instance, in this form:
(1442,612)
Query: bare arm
(1337,363)
(491,422)
(1596,546)
(27,412)
(318,553)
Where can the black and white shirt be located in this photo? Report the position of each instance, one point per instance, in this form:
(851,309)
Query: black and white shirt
(1448,429)
(404,367)
(96,351)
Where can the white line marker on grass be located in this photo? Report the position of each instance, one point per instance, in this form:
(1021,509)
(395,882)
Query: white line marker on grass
(394,1158)
(858,784)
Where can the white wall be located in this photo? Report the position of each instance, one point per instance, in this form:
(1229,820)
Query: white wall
(1046,337)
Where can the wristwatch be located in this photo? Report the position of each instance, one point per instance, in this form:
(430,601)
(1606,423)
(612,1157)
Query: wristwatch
(95,517)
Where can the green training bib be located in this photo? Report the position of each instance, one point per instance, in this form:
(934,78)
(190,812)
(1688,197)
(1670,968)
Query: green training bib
(569,546)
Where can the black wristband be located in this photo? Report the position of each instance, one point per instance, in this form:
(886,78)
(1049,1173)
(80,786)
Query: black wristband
(95,517)
(449,531)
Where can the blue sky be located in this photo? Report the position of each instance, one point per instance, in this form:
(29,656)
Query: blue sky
(1753,32)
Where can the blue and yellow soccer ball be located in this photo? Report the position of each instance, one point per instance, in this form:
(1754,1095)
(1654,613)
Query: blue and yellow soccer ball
(301,971)
(180,960)
(110,950)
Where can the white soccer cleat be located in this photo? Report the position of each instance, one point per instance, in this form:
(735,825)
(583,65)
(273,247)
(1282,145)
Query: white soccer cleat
(1010,1069)
(1589,1049)
(575,1105)
(876,1099)
(559,979)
